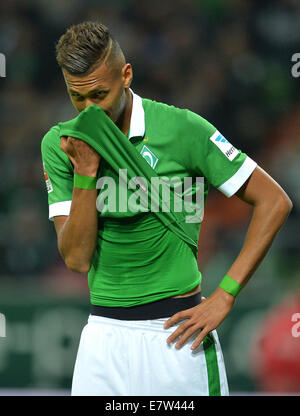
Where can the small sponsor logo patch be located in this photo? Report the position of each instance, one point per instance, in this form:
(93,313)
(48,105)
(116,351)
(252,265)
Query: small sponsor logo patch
(149,156)
(48,181)
(229,151)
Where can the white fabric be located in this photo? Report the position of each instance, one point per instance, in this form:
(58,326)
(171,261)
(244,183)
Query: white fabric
(132,358)
(233,184)
(59,208)
(137,120)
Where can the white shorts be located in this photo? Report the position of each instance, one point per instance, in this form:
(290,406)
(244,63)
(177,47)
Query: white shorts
(132,358)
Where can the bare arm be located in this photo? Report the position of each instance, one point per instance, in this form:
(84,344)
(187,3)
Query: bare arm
(271,207)
(77,233)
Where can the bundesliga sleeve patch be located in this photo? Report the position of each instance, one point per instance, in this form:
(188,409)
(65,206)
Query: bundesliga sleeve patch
(48,181)
(229,151)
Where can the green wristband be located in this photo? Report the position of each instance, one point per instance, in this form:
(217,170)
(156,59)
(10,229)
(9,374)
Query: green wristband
(230,285)
(84,182)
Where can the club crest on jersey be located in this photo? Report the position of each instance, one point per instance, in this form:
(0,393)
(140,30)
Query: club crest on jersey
(149,156)
(229,151)
(48,181)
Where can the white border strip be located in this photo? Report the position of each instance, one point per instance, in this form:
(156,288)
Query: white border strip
(137,121)
(59,208)
(215,135)
(233,184)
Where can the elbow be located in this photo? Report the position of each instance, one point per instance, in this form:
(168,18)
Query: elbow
(77,267)
(284,206)
(287,205)
(74,262)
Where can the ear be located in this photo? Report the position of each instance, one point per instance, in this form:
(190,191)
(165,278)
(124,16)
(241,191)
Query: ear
(127,75)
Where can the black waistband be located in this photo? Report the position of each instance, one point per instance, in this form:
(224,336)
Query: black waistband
(163,308)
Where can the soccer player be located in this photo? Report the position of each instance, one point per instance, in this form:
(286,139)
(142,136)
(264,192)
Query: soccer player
(149,332)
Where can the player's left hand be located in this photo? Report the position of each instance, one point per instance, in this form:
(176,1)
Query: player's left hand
(206,317)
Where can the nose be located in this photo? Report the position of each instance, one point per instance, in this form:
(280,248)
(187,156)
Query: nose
(88,102)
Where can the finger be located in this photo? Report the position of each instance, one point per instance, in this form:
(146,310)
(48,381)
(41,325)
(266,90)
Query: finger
(200,338)
(63,143)
(183,327)
(187,334)
(73,140)
(66,144)
(179,316)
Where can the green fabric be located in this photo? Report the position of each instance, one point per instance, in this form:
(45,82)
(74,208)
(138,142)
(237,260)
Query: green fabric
(84,182)
(95,128)
(230,285)
(214,388)
(140,257)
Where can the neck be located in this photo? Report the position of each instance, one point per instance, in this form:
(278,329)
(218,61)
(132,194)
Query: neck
(123,121)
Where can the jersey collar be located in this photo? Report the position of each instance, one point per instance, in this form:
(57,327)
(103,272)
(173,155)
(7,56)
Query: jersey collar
(137,120)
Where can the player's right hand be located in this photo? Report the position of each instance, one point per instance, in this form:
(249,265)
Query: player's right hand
(85,159)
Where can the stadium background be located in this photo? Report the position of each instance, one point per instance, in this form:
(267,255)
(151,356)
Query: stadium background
(228,60)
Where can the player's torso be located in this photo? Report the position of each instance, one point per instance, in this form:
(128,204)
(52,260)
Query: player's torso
(135,250)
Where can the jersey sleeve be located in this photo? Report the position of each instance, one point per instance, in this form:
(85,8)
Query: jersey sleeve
(215,158)
(58,172)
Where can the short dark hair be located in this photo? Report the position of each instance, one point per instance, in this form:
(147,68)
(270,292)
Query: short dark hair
(84,46)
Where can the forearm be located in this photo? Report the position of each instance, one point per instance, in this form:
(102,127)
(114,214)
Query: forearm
(77,238)
(266,221)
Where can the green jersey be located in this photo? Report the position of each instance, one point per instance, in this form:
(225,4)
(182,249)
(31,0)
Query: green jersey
(138,259)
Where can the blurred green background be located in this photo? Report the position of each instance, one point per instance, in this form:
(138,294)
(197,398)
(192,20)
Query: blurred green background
(227,60)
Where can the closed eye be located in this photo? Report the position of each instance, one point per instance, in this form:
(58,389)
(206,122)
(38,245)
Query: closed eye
(99,94)
(94,95)
(77,96)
